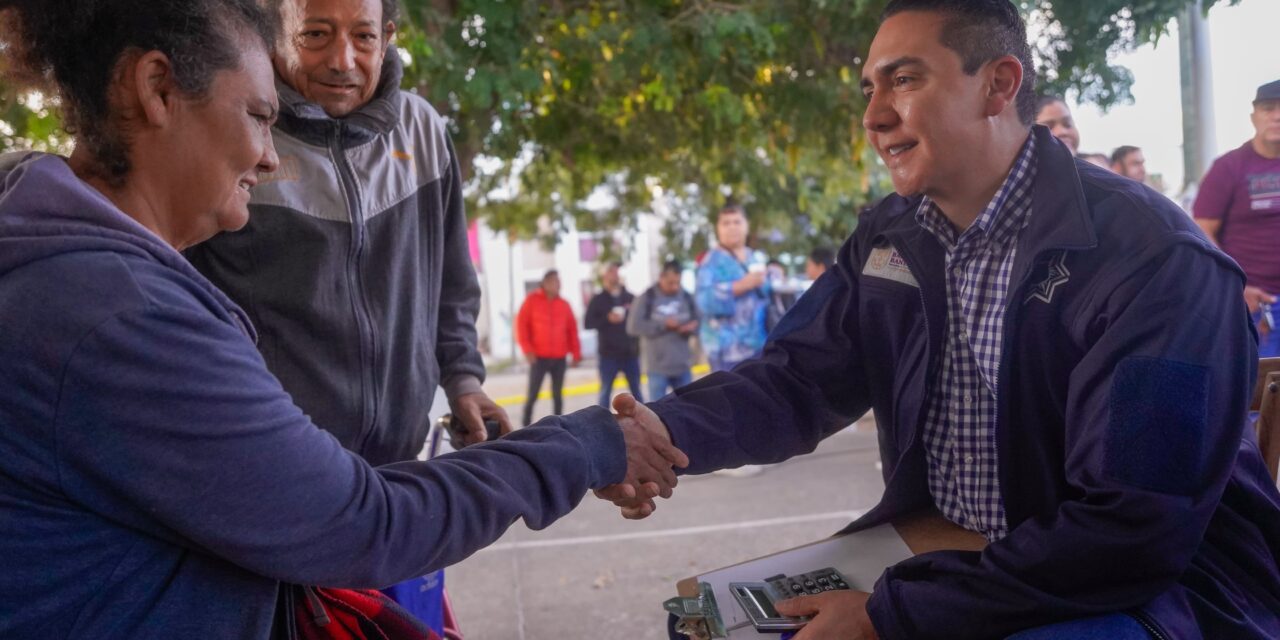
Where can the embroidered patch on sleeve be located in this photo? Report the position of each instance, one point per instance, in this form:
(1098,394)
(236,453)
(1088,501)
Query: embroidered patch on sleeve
(887,263)
(1159,413)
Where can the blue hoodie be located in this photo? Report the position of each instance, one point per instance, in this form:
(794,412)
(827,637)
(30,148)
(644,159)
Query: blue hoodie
(157,482)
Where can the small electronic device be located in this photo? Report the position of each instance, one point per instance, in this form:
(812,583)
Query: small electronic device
(1267,317)
(457,434)
(757,598)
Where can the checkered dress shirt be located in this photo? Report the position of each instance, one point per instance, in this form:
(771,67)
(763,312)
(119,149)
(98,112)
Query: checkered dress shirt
(959,432)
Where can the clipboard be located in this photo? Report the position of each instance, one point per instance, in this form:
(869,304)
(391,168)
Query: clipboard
(706,608)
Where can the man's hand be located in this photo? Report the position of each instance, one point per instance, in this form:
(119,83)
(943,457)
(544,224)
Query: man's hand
(649,461)
(688,328)
(672,324)
(836,614)
(530,358)
(1253,296)
(575,361)
(472,409)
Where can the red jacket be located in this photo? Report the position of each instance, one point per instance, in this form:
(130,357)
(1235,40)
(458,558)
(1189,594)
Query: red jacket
(547,328)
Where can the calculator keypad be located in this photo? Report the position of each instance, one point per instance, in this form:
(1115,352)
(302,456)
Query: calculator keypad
(811,583)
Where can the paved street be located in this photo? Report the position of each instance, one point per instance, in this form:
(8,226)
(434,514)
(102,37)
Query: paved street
(594,576)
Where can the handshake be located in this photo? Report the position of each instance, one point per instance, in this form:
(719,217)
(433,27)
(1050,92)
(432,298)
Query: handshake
(651,460)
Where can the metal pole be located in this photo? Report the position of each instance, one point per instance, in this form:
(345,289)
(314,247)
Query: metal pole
(1200,144)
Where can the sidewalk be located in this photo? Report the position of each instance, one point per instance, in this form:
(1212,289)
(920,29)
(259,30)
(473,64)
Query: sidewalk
(508,387)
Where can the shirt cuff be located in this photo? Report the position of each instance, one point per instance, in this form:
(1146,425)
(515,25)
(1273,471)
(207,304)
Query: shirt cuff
(460,385)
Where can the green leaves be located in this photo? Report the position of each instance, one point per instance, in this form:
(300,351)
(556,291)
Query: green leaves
(696,100)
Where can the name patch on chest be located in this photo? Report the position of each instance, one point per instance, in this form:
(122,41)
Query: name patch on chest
(887,263)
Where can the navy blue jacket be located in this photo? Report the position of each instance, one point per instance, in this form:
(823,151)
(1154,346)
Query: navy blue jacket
(155,479)
(1129,479)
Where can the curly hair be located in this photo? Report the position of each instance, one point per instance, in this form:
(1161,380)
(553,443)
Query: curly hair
(76,46)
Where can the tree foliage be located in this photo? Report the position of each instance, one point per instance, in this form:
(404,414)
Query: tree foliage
(756,100)
(589,110)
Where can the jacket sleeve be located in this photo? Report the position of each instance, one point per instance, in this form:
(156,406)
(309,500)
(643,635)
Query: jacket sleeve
(715,297)
(461,367)
(640,322)
(597,313)
(575,347)
(808,384)
(1155,411)
(171,424)
(524,328)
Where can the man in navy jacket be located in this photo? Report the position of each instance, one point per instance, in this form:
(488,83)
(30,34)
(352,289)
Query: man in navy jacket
(1056,358)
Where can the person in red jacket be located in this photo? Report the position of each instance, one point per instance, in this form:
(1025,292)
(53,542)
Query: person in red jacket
(547,332)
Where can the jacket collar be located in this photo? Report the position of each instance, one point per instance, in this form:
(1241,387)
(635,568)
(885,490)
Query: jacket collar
(1060,215)
(307,120)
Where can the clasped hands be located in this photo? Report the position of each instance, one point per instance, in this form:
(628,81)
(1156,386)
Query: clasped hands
(651,460)
(650,474)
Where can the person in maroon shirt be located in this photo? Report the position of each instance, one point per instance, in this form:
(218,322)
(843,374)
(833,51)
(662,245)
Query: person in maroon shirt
(1238,207)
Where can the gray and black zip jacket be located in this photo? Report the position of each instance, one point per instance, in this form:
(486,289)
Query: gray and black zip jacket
(355,268)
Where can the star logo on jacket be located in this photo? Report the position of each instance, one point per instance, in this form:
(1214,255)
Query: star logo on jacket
(1058,276)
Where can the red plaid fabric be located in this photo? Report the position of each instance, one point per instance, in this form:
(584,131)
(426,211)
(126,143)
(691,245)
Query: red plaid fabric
(352,614)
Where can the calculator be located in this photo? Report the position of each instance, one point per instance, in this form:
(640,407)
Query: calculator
(757,598)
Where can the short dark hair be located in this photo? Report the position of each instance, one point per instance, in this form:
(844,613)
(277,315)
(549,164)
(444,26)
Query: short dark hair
(1123,151)
(550,274)
(673,266)
(981,31)
(823,256)
(76,46)
(390,11)
(1046,100)
(731,208)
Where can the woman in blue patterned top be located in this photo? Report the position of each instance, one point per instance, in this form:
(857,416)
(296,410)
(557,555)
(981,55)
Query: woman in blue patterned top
(732,293)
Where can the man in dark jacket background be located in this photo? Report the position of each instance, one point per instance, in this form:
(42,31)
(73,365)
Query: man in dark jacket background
(1057,359)
(619,352)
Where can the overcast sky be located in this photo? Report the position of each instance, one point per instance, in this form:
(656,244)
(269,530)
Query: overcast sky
(1242,40)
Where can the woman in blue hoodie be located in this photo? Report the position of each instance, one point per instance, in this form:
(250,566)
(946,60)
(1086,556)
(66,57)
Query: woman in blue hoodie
(155,480)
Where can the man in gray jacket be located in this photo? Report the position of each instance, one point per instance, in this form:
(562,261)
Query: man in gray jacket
(355,266)
(664,318)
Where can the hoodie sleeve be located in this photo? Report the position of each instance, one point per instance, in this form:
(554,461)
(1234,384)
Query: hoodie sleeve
(170,423)
(1155,415)
(461,367)
(808,384)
